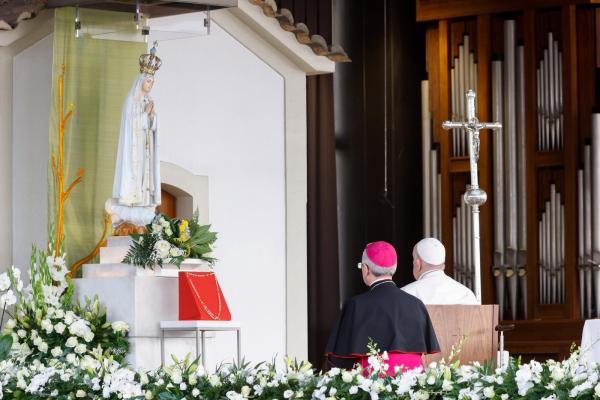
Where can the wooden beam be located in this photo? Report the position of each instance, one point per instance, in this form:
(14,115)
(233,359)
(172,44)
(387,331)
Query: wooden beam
(530,153)
(430,10)
(570,111)
(484,102)
(597,13)
(444,136)
(433,67)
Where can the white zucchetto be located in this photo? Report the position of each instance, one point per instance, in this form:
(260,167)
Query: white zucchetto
(431,251)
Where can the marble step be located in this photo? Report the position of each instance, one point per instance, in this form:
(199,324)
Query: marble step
(113,254)
(119,241)
(117,269)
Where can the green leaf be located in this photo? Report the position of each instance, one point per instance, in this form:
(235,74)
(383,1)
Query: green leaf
(6,342)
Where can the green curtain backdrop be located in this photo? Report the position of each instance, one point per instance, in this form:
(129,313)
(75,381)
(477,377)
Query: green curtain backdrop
(98,76)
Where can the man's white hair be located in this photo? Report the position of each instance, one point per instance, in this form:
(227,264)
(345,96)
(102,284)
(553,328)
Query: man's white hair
(377,270)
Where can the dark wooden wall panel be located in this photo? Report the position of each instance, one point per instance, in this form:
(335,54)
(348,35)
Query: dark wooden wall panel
(388,52)
(323,260)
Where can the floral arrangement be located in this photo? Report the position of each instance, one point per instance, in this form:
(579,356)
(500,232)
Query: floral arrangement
(170,241)
(65,351)
(102,378)
(45,324)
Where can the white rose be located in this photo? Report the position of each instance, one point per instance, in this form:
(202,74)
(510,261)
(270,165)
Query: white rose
(60,328)
(421,395)
(334,371)
(182,386)
(431,380)
(163,248)
(71,358)
(80,393)
(174,252)
(192,379)
(80,348)
(4,282)
(89,336)
(43,347)
(56,352)
(79,328)
(214,380)
(69,317)
(148,395)
(489,392)
(245,391)
(47,326)
(288,394)
(21,333)
(353,390)
(347,377)
(59,313)
(120,327)
(557,374)
(169,232)
(231,395)
(176,378)
(195,392)
(25,349)
(71,342)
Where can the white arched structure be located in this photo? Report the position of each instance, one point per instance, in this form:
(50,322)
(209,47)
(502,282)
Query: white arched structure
(190,190)
(293,61)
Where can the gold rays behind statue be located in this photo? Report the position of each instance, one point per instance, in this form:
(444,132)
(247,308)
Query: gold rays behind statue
(58,168)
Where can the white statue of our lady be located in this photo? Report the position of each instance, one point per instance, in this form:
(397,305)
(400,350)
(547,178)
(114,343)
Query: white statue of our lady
(136,187)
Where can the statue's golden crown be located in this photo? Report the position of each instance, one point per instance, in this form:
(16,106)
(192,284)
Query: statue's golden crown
(150,63)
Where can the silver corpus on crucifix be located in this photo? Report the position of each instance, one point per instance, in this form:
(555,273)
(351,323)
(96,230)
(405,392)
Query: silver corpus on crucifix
(474,196)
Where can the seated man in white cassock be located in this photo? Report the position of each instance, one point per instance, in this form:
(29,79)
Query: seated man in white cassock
(432,285)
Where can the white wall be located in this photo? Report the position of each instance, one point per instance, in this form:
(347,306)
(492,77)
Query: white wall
(32,83)
(221,112)
(6,61)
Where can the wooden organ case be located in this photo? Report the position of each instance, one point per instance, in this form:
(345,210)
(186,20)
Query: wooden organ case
(535,67)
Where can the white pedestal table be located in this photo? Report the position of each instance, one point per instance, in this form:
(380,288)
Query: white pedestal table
(200,328)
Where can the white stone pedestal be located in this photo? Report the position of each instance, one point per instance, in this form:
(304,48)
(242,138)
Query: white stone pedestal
(140,297)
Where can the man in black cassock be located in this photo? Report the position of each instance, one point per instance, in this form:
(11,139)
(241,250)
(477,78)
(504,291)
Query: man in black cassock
(395,320)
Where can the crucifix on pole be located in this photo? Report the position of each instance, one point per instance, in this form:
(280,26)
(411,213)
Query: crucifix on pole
(474,196)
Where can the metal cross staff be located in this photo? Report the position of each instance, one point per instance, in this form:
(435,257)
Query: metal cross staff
(474,196)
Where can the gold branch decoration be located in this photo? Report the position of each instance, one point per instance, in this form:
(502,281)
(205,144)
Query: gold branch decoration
(102,242)
(58,166)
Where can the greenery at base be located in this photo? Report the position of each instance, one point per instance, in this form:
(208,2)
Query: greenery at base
(170,241)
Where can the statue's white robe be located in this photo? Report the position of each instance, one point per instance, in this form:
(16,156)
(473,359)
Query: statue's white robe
(137,174)
(435,287)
